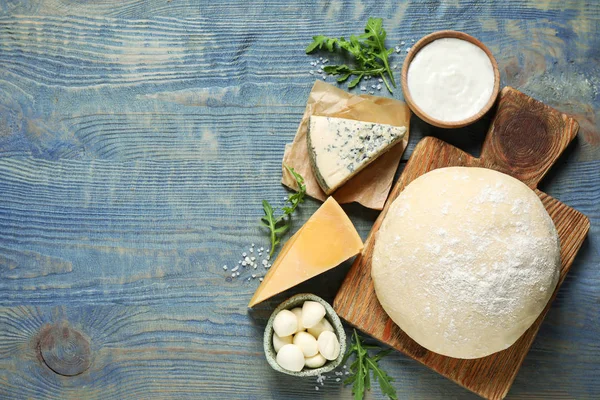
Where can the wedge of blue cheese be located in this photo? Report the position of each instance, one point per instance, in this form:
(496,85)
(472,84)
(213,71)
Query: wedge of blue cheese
(340,148)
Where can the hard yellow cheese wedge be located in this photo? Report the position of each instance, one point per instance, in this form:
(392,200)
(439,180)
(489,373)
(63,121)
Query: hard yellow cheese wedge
(327,239)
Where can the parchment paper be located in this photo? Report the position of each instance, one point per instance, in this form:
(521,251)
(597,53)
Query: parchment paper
(372,185)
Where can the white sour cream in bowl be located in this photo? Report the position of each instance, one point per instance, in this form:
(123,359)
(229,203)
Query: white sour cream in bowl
(451,81)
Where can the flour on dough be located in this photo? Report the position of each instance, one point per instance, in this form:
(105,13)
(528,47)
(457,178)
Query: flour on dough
(465,261)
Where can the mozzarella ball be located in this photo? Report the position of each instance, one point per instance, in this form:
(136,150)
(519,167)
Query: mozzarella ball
(290,357)
(279,342)
(321,326)
(329,345)
(315,361)
(312,313)
(298,313)
(307,343)
(285,323)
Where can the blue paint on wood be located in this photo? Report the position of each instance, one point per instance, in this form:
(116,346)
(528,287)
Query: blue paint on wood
(137,140)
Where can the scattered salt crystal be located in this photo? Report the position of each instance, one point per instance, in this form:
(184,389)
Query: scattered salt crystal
(337,379)
(224,267)
(325,61)
(363,88)
(260,279)
(235,269)
(371,92)
(380,80)
(237,273)
(378,87)
(407,49)
(251,250)
(316,388)
(262,249)
(252,258)
(395,66)
(253,276)
(243,263)
(324,76)
(247,259)
(402,42)
(344,367)
(264,262)
(397,49)
(233,274)
(244,254)
(373,86)
(320,71)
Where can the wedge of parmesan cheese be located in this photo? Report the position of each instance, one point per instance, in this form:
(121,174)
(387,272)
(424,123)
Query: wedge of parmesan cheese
(326,240)
(339,148)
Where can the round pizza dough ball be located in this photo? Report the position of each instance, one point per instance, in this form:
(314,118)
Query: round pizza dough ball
(465,261)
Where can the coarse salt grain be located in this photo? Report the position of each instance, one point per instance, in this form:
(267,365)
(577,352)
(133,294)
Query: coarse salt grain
(260,279)
(363,88)
(233,274)
(225,267)
(235,269)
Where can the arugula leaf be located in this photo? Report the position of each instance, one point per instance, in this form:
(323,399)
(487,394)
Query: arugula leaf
(360,377)
(368,50)
(280,225)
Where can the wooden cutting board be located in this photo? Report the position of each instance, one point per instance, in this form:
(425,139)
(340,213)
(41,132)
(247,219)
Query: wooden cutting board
(524,140)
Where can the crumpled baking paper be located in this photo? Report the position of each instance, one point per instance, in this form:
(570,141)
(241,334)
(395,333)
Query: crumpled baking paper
(372,185)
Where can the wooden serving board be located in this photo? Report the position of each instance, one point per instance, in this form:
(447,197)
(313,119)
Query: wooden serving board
(524,140)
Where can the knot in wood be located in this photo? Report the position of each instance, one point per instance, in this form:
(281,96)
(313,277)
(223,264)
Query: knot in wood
(64,350)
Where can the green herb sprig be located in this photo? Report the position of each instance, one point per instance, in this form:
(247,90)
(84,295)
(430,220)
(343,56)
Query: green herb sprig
(368,50)
(278,226)
(360,377)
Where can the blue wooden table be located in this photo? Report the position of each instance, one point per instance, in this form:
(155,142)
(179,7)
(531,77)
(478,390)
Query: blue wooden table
(137,140)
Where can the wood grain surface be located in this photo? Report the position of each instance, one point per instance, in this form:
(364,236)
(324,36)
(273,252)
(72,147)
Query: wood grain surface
(524,140)
(138,139)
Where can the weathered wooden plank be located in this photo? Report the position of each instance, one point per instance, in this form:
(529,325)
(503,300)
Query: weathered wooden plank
(137,139)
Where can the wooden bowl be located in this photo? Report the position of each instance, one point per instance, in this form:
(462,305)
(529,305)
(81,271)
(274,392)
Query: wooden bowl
(422,43)
(333,319)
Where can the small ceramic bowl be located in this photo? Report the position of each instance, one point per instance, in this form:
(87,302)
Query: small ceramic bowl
(331,316)
(417,110)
